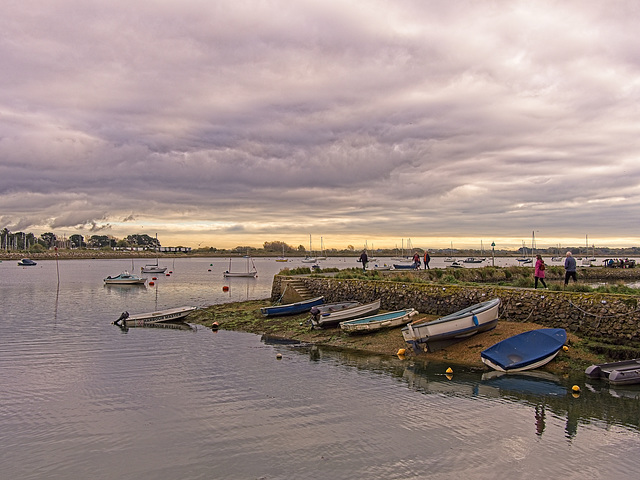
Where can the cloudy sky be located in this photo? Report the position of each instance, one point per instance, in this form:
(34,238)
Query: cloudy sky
(224,123)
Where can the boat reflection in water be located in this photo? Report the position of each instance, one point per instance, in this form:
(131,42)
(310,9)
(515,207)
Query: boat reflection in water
(548,395)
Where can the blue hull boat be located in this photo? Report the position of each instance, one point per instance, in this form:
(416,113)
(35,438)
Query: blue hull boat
(525,351)
(292,308)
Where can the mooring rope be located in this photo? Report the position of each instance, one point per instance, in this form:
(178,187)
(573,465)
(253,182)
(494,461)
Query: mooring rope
(600,315)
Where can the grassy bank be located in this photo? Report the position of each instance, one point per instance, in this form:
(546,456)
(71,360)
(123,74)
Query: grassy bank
(246,317)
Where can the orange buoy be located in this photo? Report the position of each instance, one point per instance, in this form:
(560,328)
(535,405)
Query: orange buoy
(214,326)
(151,284)
(225,288)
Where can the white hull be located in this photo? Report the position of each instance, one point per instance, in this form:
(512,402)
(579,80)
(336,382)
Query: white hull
(170,315)
(377,322)
(459,325)
(531,366)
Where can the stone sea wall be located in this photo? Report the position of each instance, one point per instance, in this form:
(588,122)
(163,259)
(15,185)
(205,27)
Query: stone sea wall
(607,316)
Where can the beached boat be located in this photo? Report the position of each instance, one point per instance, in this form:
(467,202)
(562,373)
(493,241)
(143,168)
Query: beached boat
(125,278)
(379,321)
(436,334)
(250,271)
(331,314)
(626,372)
(292,308)
(161,316)
(27,262)
(525,351)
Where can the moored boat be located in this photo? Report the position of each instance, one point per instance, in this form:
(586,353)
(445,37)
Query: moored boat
(379,321)
(292,308)
(251,271)
(125,278)
(331,314)
(525,351)
(27,262)
(626,372)
(436,334)
(161,316)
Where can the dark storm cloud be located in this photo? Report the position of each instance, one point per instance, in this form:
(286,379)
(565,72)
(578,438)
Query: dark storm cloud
(457,118)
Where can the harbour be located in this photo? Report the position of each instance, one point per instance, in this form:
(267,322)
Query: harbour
(83,399)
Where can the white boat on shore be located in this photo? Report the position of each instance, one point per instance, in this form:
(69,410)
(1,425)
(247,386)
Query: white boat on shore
(379,321)
(436,334)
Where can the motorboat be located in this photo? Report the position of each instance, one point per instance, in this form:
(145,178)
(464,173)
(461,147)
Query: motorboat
(27,262)
(125,278)
(161,316)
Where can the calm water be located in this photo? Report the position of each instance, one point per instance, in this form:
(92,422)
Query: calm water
(81,399)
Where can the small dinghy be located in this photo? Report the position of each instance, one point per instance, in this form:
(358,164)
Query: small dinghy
(292,308)
(331,314)
(525,351)
(379,321)
(436,334)
(626,372)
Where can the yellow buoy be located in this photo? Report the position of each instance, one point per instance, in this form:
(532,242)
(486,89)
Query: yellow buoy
(565,348)
(279,356)
(449,377)
(449,370)
(575,388)
(402,351)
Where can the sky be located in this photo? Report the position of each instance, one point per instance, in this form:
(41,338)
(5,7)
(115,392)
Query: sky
(226,123)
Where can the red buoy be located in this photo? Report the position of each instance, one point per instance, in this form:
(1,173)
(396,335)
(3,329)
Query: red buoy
(154,278)
(225,289)
(151,284)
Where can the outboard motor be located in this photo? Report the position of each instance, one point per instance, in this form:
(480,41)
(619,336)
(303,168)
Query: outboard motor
(122,318)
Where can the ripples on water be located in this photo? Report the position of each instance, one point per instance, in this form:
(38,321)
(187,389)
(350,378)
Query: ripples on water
(82,399)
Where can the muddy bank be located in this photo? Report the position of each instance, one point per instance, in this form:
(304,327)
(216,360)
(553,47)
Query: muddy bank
(246,317)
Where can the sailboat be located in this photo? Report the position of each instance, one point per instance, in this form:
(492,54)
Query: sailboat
(251,270)
(403,257)
(282,258)
(450,258)
(587,261)
(322,255)
(154,267)
(370,256)
(309,258)
(524,260)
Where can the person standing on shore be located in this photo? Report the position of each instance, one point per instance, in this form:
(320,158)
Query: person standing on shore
(427,259)
(416,261)
(570,269)
(364,259)
(539,272)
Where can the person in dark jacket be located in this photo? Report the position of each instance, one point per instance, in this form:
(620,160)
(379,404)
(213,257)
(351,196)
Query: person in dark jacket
(570,269)
(364,259)
(427,259)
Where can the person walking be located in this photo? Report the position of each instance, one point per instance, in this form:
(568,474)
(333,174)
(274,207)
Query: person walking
(364,259)
(539,272)
(570,269)
(427,259)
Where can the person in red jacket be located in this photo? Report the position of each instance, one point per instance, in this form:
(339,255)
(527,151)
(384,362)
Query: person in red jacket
(539,272)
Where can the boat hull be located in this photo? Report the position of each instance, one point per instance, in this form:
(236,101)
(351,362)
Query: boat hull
(161,316)
(525,351)
(626,372)
(240,274)
(379,321)
(153,269)
(125,278)
(291,308)
(332,318)
(436,334)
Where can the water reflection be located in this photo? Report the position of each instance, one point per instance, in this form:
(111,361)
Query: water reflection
(545,393)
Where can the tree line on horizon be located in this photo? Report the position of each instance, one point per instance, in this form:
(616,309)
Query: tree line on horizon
(22,241)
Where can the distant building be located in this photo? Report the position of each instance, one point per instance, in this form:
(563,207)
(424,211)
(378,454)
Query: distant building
(175,249)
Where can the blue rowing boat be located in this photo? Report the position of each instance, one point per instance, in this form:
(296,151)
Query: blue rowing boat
(292,308)
(525,351)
